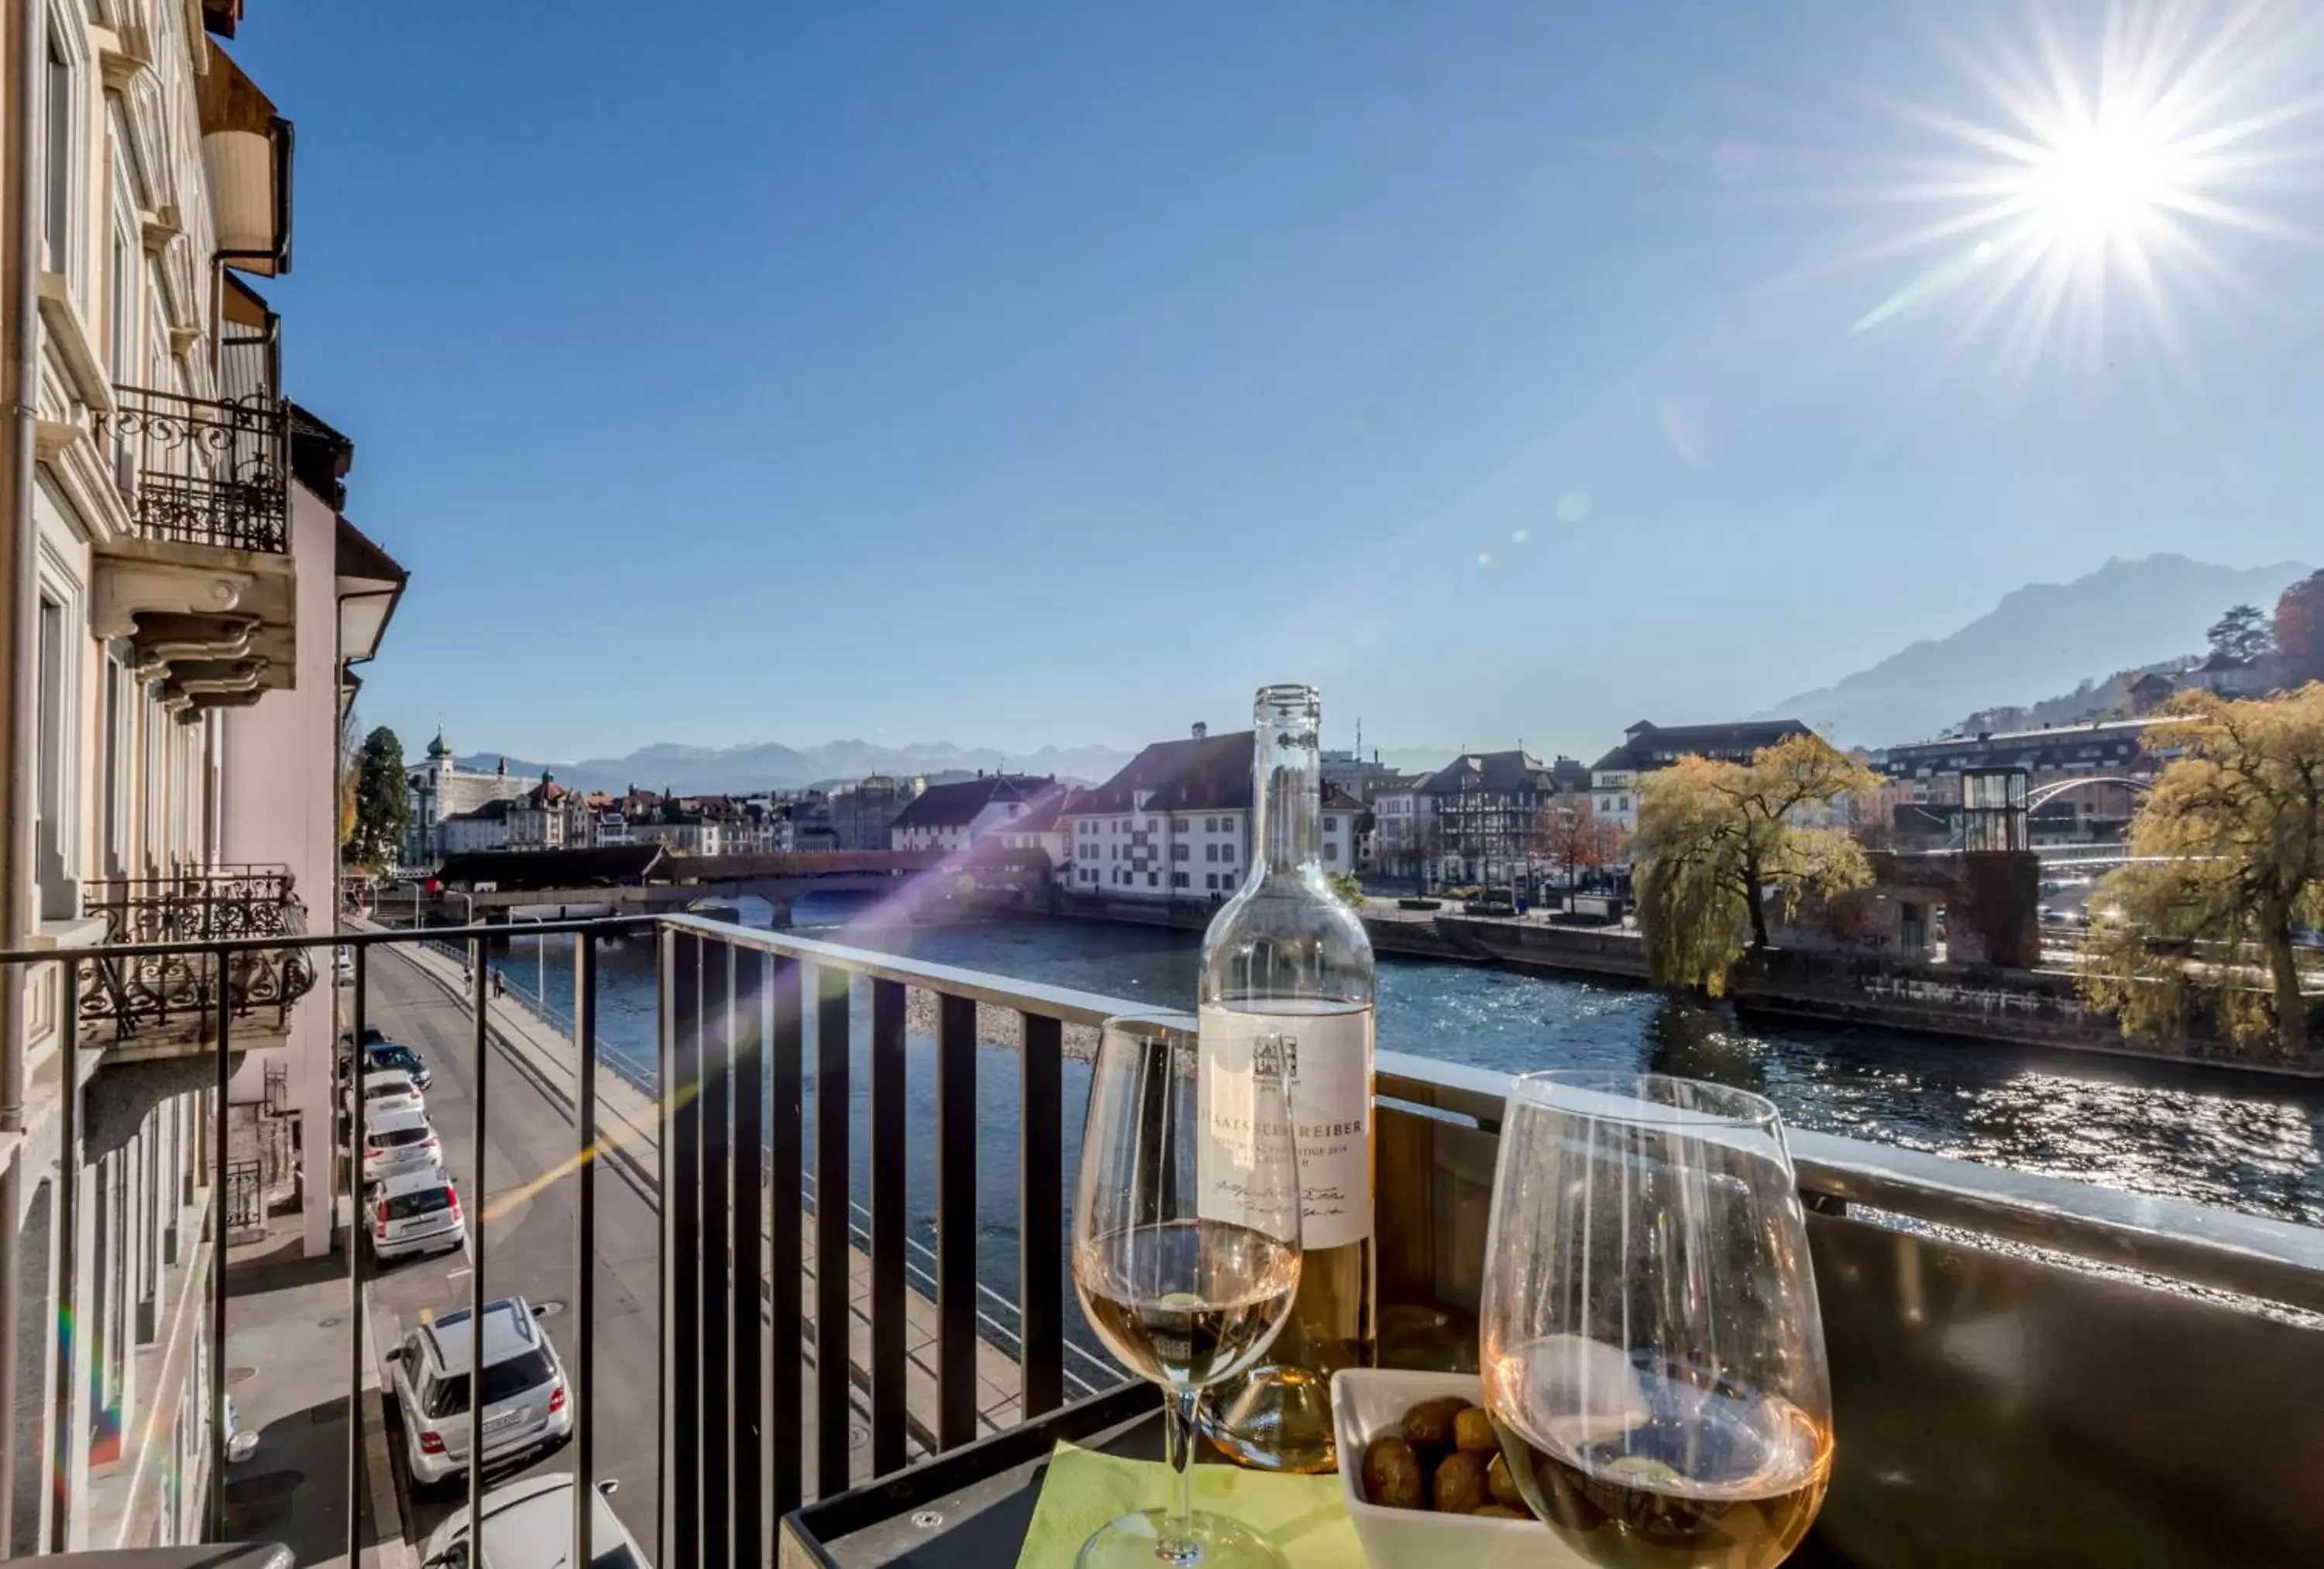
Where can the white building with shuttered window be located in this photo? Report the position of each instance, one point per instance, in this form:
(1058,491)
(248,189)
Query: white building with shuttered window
(1174,823)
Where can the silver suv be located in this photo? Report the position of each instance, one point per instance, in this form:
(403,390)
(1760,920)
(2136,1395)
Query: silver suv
(525,1405)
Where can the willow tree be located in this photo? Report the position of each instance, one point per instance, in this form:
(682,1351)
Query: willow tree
(2231,847)
(1716,840)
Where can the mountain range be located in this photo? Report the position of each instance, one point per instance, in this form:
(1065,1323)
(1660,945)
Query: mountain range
(2043,637)
(771,766)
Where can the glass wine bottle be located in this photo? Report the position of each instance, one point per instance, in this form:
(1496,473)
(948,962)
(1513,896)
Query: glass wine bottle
(1287,980)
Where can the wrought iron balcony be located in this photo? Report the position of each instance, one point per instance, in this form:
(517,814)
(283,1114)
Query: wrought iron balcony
(204,471)
(2038,1347)
(203,906)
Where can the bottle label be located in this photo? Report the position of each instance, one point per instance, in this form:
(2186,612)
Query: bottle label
(1328,1057)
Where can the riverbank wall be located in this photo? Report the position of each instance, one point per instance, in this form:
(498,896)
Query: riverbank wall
(2036,1007)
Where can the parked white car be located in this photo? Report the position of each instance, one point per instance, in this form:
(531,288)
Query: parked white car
(387,1089)
(398,1141)
(529,1525)
(525,1407)
(415,1212)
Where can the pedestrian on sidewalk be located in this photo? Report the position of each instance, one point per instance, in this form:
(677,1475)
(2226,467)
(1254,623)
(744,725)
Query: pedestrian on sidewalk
(500,985)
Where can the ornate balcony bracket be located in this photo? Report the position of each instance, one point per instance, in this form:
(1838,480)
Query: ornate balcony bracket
(164,639)
(129,588)
(201,681)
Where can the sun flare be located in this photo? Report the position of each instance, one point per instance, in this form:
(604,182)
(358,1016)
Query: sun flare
(2108,164)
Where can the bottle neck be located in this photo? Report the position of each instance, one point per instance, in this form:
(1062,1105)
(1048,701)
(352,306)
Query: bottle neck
(1287,788)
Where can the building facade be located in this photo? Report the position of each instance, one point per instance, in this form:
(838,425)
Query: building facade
(952,817)
(862,814)
(440,789)
(1484,810)
(1176,823)
(185,602)
(2088,778)
(1647,748)
(480,828)
(549,816)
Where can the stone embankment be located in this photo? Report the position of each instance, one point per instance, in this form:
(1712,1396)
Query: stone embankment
(2036,1007)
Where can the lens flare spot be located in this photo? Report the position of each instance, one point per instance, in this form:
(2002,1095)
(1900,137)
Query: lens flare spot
(1572,506)
(1484,558)
(1518,537)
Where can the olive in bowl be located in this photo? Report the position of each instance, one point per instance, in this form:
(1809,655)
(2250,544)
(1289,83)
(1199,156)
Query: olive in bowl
(1402,1463)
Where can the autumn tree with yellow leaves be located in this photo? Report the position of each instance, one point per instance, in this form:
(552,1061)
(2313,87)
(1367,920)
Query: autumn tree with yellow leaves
(2201,928)
(1716,840)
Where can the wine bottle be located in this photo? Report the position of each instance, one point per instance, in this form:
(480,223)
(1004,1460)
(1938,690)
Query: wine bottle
(1287,985)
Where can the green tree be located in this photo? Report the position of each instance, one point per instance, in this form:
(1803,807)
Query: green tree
(2242,633)
(2231,847)
(383,809)
(1716,840)
(1348,888)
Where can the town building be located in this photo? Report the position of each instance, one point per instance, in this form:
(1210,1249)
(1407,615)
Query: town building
(480,828)
(1647,748)
(1404,826)
(196,605)
(1041,826)
(1484,809)
(1358,776)
(2227,675)
(1174,823)
(440,788)
(2087,779)
(950,817)
(549,816)
(811,826)
(862,814)
(2150,691)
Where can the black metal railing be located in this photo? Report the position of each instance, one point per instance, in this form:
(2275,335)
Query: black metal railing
(1966,1353)
(195,907)
(203,471)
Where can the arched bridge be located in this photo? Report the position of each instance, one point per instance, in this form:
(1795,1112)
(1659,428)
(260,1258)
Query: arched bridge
(527,884)
(2057,787)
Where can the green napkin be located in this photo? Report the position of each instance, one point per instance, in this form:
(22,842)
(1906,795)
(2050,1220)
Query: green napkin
(1302,1516)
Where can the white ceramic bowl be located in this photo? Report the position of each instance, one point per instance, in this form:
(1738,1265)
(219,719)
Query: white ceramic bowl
(1367,1402)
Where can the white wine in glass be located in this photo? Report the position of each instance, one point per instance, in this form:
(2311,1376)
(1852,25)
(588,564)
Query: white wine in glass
(1653,1352)
(1186,1254)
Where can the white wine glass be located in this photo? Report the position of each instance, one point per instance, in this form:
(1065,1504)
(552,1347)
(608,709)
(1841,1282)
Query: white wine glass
(1652,1349)
(1186,1253)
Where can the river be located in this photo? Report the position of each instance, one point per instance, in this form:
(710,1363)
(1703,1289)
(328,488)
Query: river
(2253,1143)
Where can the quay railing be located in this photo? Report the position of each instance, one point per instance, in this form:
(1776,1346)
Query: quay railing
(2027,1370)
(202,471)
(176,913)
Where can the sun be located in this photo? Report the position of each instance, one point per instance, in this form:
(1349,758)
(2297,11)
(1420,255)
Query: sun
(2072,178)
(2103,184)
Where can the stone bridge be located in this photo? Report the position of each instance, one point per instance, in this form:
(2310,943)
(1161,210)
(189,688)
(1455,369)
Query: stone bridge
(524,885)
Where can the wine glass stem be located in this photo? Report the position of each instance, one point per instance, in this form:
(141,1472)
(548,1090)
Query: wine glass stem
(1175,1542)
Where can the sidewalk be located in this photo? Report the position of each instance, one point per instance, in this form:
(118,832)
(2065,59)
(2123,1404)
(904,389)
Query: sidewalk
(286,1370)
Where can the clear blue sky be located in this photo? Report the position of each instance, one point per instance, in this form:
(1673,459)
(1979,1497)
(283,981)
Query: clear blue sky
(1010,373)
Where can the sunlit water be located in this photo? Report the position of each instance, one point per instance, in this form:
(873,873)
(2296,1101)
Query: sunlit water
(2252,1144)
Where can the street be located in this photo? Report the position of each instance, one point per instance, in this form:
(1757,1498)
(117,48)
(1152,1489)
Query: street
(528,1216)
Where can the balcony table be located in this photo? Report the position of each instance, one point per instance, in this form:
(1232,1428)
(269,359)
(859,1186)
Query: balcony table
(970,1509)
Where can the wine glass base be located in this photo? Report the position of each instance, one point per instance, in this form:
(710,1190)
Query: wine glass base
(1216,1542)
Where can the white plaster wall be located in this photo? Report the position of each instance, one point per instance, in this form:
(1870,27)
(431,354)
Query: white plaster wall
(280,806)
